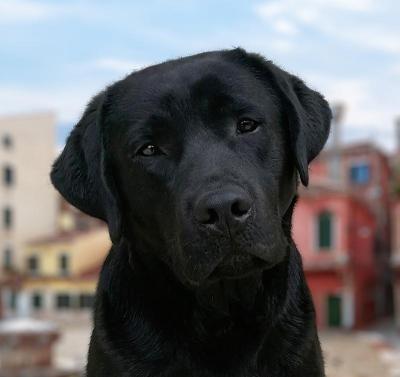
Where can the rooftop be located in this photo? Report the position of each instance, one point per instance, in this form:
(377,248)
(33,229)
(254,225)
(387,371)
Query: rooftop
(65,236)
(26,325)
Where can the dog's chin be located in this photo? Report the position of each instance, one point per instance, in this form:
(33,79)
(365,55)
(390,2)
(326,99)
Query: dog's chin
(229,262)
(233,267)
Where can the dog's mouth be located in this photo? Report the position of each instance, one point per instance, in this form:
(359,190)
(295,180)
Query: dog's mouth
(237,266)
(228,261)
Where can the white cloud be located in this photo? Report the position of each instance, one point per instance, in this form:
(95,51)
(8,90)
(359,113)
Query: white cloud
(284,27)
(395,70)
(67,102)
(20,11)
(24,10)
(271,9)
(374,37)
(279,45)
(351,5)
(329,17)
(366,114)
(116,65)
(307,9)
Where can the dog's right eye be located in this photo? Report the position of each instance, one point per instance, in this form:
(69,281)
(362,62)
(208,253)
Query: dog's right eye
(246,125)
(149,150)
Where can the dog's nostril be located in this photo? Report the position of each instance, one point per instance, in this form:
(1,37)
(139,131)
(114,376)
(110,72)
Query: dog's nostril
(240,208)
(206,216)
(212,217)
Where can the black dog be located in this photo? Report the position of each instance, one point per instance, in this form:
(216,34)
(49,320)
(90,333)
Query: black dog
(193,163)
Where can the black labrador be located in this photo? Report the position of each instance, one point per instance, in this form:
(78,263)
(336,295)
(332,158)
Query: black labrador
(194,165)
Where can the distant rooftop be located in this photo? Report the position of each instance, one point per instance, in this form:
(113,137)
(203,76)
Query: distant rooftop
(28,114)
(26,325)
(65,236)
(348,148)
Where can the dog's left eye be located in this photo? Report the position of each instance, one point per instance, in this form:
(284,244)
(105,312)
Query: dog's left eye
(149,150)
(246,125)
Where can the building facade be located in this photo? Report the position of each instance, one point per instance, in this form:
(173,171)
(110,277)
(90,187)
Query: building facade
(334,233)
(28,202)
(342,228)
(395,259)
(60,274)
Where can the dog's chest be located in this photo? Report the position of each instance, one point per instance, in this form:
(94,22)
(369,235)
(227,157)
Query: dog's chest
(204,373)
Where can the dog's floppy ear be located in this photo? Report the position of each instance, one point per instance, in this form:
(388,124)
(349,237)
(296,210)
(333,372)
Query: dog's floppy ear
(307,112)
(309,119)
(80,173)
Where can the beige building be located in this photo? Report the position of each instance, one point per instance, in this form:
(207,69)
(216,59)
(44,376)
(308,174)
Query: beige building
(61,273)
(28,202)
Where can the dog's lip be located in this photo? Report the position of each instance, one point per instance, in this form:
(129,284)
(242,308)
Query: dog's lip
(237,266)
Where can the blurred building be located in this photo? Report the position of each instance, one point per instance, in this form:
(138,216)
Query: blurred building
(28,202)
(342,228)
(26,348)
(60,273)
(335,234)
(396,258)
(395,213)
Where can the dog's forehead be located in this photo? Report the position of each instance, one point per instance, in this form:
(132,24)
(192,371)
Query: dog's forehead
(197,78)
(183,89)
(188,70)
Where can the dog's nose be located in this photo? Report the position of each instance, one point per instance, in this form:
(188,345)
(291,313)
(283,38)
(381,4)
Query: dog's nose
(220,209)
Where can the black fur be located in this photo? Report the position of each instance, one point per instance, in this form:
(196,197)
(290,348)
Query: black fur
(203,278)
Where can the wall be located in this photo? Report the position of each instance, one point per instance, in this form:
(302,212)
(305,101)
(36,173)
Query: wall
(32,197)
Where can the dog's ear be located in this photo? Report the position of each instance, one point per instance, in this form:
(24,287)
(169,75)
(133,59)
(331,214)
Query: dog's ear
(80,172)
(307,112)
(308,117)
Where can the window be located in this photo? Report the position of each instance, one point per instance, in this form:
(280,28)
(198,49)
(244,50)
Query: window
(63,301)
(63,263)
(8,259)
(37,301)
(324,230)
(13,300)
(360,173)
(7,218)
(33,265)
(8,176)
(7,141)
(86,301)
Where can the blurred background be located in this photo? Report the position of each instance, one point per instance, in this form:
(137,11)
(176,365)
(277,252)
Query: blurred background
(54,56)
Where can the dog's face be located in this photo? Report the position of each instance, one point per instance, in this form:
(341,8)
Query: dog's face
(195,160)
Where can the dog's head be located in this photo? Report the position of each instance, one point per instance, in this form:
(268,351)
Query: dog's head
(196,160)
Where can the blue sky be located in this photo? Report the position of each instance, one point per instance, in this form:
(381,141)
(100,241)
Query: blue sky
(55,55)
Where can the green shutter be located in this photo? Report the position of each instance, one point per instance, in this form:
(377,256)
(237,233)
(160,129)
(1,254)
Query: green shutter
(325,230)
(334,311)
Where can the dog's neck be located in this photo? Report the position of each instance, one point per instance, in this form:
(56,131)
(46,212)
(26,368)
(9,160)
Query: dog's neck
(247,318)
(143,281)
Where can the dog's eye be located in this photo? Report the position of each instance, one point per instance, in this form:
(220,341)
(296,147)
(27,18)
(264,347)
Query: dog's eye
(149,150)
(246,125)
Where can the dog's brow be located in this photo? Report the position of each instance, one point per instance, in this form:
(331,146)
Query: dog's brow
(242,105)
(157,126)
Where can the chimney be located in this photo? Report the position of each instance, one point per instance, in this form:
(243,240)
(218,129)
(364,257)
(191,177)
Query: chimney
(335,163)
(397,129)
(337,116)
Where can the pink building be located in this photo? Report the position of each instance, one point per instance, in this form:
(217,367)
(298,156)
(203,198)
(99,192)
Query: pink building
(341,226)
(395,219)
(335,233)
(396,259)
